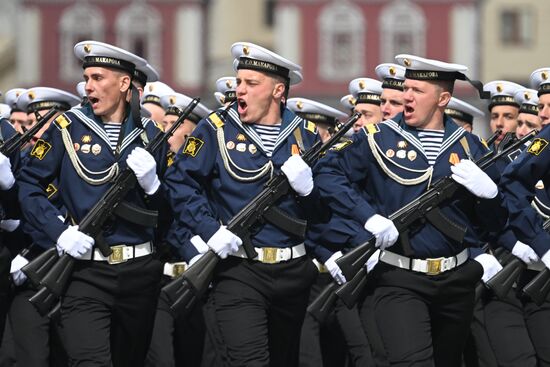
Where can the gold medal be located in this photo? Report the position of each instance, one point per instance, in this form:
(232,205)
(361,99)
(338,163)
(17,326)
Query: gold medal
(241,137)
(402,144)
(390,153)
(252,148)
(230,145)
(411,154)
(86,138)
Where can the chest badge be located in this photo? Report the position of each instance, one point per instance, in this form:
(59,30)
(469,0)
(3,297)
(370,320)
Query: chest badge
(402,144)
(85,148)
(86,139)
(241,147)
(411,154)
(454,159)
(401,154)
(241,137)
(76,147)
(252,149)
(96,149)
(230,145)
(390,153)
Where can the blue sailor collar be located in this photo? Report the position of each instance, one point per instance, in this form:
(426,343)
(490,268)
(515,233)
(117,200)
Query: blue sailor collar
(88,118)
(453,132)
(289,122)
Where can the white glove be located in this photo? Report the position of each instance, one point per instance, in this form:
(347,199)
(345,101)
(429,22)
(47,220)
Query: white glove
(9,225)
(17,275)
(373,260)
(199,244)
(383,229)
(334,269)
(546,259)
(224,242)
(524,253)
(144,166)
(74,242)
(469,175)
(490,264)
(298,174)
(6,176)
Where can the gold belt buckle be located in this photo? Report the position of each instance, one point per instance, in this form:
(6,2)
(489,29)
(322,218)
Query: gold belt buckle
(322,268)
(434,266)
(178,269)
(117,256)
(270,255)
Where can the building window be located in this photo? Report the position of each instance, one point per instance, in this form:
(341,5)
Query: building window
(516,27)
(269,12)
(341,42)
(139,30)
(79,22)
(402,30)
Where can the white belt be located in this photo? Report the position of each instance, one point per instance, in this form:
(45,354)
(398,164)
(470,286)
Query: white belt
(274,255)
(427,266)
(121,253)
(174,270)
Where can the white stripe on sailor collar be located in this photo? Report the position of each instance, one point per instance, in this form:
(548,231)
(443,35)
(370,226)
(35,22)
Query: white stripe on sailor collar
(287,131)
(249,130)
(128,139)
(447,143)
(407,135)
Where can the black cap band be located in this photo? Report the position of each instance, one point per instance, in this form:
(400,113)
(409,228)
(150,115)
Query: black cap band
(110,62)
(318,118)
(529,108)
(503,101)
(390,83)
(264,66)
(46,105)
(463,116)
(446,76)
(544,89)
(371,98)
(151,98)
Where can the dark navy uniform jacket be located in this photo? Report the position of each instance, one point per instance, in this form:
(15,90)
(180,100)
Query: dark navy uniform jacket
(400,149)
(202,192)
(518,185)
(49,161)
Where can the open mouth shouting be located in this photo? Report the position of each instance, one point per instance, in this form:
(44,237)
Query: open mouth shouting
(93,101)
(242,106)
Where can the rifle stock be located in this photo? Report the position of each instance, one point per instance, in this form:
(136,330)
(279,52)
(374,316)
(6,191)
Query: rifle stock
(40,266)
(539,287)
(58,277)
(44,301)
(248,216)
(321,307)
(351,291)
(503,281)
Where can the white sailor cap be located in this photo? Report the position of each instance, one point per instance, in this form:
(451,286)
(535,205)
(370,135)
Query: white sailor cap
(420,68)
(528,101)
(226,87)
(94,53)
(81,89)
(502,93)
(315,111)
(44,98)
(175,103)
(153,91)
(392,75)
(145,74)
(463,111)
(540,79)
(11,97)
(366,90)
(5,111)
(254,57)
(348,101)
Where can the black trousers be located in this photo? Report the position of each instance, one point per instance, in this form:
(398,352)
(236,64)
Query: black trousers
(368,321)
(537,320)
(36,338)
(424,320)
(255,311)
(339,341)
(108,312)
(176,341)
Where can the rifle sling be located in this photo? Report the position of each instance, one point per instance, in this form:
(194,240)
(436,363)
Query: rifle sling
(446,226)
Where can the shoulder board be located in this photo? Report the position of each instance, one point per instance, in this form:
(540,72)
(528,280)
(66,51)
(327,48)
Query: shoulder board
(310,126)
(215,120)
(62,121)
(371,128)
(484,143)
(341,145)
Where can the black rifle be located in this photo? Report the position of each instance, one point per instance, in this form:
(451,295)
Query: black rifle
(18,140)
(55,282)
(183,292)
(481,288)
(426,206)
(539,287)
